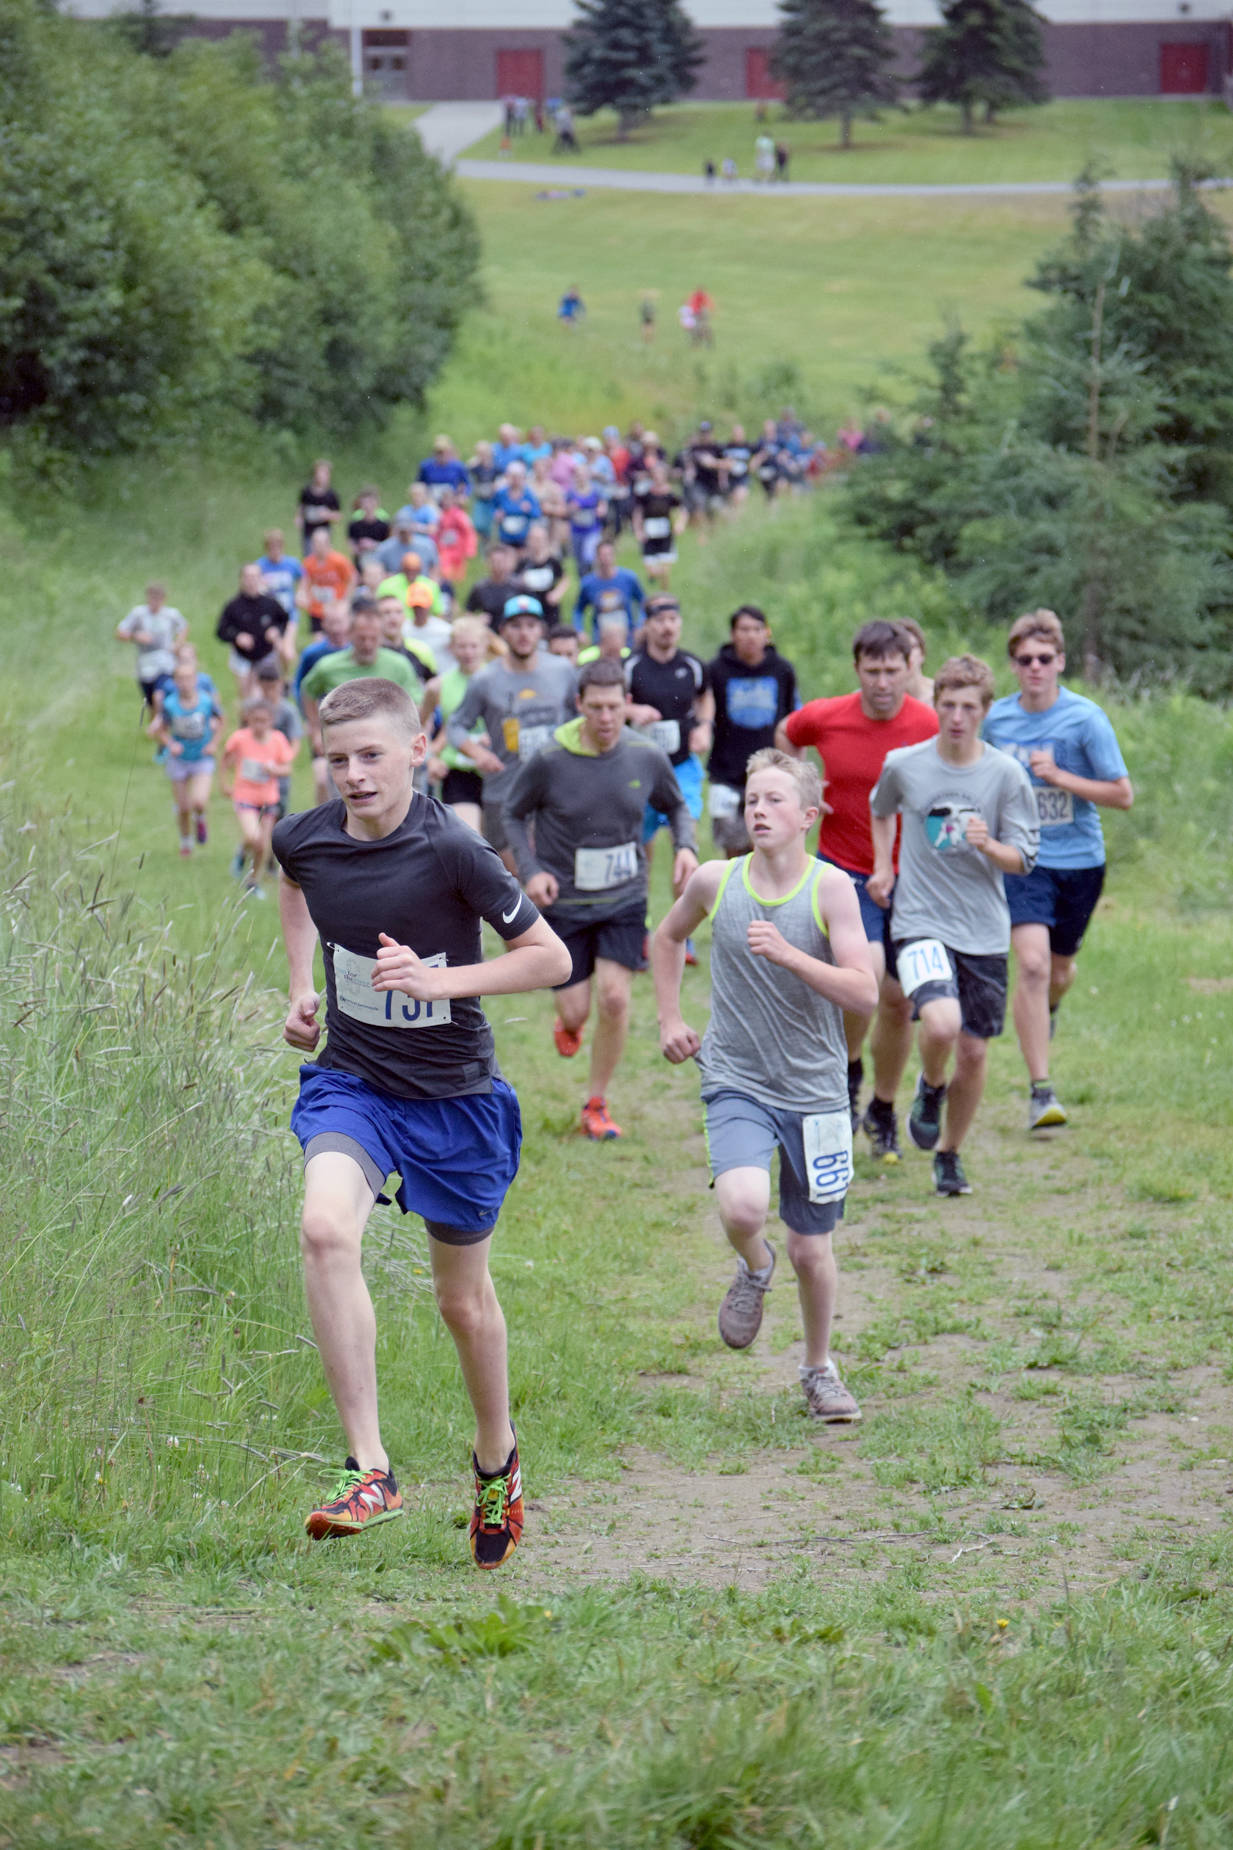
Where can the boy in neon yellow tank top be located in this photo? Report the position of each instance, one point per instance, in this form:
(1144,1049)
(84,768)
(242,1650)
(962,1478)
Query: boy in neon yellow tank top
(788,957)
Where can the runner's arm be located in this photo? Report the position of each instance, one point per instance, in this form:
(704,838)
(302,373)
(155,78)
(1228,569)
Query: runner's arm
(882,879)
(523,801)
(1106,792)
(678,1041)
(301,1028)
(535,959)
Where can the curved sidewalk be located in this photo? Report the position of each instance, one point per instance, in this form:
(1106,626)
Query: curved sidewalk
(569,175)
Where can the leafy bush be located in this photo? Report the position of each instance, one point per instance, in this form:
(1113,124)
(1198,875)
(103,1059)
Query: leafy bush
(189,242)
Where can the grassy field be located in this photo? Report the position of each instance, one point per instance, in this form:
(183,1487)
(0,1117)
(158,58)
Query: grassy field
(821,309)
(1133,139)
(995,1615)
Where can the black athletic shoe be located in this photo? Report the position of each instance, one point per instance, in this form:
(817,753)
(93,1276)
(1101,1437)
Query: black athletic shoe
(882,1129)
(925,1117)
(856,1075)
(948,1176)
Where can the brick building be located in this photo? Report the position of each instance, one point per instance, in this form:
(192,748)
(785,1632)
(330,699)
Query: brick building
(424,50)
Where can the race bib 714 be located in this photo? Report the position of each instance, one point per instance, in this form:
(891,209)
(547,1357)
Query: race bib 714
(925,961)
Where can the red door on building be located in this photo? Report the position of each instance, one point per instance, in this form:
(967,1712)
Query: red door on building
(521,73)
(758,80)
(1183,70)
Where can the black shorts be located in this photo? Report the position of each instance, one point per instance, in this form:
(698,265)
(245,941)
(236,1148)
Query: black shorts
(462,787)
(1063,898)
(978,982)
(617,938)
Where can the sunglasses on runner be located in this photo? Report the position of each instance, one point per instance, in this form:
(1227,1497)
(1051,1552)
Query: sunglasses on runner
(1037,661)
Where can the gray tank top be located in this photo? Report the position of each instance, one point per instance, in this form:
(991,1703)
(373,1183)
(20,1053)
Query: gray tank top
(771,1036)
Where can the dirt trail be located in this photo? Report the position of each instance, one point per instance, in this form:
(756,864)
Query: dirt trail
(1146,1465)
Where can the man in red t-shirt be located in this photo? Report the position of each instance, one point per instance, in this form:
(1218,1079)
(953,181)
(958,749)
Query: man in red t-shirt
(852,735)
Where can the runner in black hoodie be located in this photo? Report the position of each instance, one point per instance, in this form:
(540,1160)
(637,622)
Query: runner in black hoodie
(754,688)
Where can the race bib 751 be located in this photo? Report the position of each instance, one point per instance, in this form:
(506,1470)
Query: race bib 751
(382,1008)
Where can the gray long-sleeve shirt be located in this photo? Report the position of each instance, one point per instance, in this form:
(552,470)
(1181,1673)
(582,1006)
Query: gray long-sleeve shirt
(519,708)
(588,808)
(946,889)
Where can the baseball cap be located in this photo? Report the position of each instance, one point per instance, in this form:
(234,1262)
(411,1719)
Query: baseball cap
(706,424)
(522,606)
(419,597)
(610,430)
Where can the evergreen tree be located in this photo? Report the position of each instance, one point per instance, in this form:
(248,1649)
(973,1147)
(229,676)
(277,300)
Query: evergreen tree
(630,55)
(1091,473)
(835,58)
(986,53)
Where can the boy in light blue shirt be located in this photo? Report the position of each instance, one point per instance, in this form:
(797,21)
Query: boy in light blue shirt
(1070,751)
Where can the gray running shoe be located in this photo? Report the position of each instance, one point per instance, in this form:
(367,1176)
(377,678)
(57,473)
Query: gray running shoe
(925,1117)
(1044,1108)
(883,1134)
(948,1176)
(740,1314)
(826,1396)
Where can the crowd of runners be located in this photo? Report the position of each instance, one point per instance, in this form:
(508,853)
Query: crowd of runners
(507,754)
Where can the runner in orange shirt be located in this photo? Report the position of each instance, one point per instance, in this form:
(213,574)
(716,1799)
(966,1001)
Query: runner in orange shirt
(328,578)
(254,758)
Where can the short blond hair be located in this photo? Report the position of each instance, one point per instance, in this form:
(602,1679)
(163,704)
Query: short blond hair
(803,772)
(1044,623)
(965,671)
(371,697)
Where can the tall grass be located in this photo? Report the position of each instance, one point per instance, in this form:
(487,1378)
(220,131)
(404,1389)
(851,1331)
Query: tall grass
(152,1323)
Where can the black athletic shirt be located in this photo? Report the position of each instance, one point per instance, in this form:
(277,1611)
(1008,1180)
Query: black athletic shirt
(311,497)
(671,687)
(540,578)
(428,885)
(488,599)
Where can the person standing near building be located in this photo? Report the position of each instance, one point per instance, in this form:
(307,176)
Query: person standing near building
(1071,754)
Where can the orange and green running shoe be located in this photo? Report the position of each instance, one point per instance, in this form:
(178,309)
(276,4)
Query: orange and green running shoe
(360,1500)
(496,1521)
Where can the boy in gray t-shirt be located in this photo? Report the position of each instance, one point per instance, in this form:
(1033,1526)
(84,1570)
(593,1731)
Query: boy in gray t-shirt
(969,816)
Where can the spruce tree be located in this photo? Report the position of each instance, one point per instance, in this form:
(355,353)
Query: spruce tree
(630,56)
(835,58)
(986,53)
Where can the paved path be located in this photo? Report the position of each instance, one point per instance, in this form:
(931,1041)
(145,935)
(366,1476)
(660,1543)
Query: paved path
(447,128)
(569,174)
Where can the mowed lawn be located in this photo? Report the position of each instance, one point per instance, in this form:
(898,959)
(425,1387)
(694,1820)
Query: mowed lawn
(1132,139)
(823,300)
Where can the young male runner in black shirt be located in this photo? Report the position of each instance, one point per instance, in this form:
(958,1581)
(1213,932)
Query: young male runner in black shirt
(395,888)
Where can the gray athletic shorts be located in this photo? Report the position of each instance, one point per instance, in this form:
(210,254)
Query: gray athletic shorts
(743,1133)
